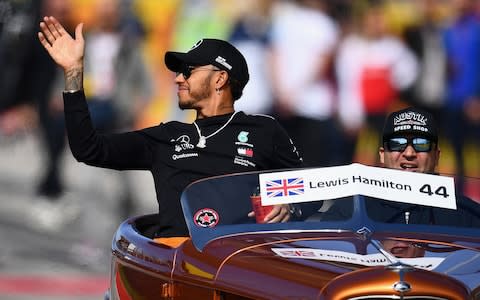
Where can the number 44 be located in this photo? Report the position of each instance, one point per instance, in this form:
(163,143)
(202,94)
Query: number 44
(440,191)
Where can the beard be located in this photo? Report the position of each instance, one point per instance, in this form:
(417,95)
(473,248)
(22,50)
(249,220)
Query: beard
(197,95)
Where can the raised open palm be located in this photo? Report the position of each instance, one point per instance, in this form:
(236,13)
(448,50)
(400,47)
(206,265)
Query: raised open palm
(66,51)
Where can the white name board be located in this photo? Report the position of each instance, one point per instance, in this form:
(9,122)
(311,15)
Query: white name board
(369,260)
(356,179)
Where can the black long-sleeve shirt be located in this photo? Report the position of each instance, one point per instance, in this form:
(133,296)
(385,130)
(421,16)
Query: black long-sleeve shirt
(169,152)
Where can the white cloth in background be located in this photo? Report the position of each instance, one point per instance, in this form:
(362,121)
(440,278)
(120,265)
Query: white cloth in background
(302,38)
(100,55)
(257,95)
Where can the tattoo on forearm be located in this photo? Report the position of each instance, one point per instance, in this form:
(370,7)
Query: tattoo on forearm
(74,79)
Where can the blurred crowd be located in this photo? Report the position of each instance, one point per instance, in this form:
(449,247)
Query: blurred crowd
(329,71)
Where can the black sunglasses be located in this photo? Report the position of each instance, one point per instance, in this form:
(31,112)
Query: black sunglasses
(187,70)
(420,144)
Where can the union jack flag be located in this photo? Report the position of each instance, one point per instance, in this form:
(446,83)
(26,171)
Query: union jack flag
(285,187)
(297,253)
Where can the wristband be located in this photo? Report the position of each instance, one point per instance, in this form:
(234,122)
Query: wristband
(71,91)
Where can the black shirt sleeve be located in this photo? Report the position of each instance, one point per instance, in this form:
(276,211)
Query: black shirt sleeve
(285,154)
(130,150)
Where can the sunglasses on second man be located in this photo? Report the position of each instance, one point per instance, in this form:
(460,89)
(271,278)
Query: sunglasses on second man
(187,70)
(399,144)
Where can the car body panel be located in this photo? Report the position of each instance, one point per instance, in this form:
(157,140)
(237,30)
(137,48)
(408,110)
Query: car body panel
(293,260)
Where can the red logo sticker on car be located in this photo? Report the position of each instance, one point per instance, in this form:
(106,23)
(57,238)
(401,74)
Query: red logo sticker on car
(206,217)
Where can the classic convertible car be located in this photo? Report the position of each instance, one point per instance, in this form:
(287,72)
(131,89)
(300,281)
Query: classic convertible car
(356,233)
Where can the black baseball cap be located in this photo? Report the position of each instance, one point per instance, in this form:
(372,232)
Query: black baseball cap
(410,120)
(216,52)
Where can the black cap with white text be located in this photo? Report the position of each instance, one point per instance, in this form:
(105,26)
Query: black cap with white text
(412,121)
(216,52)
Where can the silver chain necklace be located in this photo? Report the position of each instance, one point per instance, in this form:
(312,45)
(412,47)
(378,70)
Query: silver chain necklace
(202,140)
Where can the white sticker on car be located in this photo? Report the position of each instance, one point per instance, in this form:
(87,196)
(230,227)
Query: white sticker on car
(369,260)
(356,179)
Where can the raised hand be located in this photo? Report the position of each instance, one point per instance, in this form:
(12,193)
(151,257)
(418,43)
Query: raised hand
(66,51)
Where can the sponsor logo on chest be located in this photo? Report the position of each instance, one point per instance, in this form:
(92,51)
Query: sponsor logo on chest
(244,150)
(181,144)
